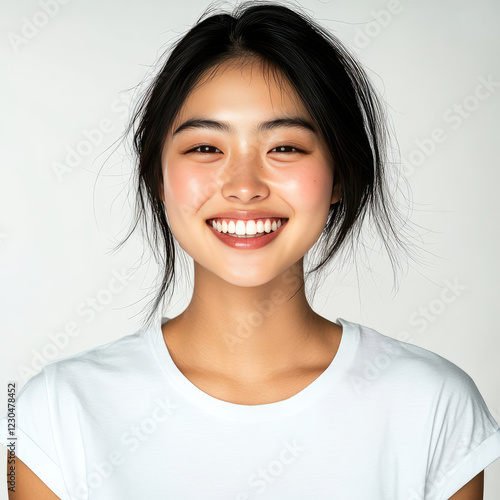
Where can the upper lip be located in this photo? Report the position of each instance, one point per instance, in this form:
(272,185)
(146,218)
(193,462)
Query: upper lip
(247,215)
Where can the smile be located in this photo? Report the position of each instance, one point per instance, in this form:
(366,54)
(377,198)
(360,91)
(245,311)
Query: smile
(262,231)
(246,228)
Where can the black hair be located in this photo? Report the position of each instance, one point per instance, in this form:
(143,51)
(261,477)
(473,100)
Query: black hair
(330,82)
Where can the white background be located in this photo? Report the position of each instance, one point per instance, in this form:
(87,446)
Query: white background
(56,231)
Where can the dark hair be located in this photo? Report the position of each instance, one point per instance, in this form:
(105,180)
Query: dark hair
(332,85)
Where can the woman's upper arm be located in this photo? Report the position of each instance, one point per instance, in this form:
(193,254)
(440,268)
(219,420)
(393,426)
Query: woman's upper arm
(29,486)
(473,490)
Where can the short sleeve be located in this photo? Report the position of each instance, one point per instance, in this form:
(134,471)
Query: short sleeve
(465,438)
(34,443)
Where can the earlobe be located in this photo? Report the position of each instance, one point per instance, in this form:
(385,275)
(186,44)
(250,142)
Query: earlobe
(336,194)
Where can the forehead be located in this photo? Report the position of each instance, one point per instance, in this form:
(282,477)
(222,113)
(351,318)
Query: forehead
(243,85)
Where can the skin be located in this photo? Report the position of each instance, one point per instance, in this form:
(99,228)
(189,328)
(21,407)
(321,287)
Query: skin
(292,345)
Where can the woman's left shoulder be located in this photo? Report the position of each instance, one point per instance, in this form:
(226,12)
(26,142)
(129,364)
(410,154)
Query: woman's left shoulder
(410,363)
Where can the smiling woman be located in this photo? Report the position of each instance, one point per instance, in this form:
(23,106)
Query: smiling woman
(260,137)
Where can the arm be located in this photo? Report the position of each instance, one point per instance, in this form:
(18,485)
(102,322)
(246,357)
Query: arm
(29,485)
(473,490)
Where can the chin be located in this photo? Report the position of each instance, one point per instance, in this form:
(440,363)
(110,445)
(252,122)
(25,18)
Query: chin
(246,279)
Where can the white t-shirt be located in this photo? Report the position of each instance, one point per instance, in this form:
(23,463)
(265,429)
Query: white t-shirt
(385,420)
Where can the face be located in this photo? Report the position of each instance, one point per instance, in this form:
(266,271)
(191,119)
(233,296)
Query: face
(232,162)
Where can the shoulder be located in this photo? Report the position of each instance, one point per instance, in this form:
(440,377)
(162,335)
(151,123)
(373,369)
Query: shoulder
(381,360)
(111,361)
(408,383)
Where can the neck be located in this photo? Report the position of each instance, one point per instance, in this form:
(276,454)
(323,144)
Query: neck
(249,333)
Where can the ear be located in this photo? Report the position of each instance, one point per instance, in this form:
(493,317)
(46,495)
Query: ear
(336,194)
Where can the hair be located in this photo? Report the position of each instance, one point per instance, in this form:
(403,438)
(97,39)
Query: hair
(330,82)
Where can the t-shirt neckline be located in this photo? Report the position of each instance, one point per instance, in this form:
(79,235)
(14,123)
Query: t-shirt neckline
(319,387)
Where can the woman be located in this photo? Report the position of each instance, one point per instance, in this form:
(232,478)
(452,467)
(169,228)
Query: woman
(259,137)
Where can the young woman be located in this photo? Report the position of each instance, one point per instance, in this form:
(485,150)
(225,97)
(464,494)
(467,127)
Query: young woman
(260,137)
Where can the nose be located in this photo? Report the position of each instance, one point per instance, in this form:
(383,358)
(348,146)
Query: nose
(244,179)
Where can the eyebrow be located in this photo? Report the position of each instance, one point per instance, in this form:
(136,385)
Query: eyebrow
(290,121)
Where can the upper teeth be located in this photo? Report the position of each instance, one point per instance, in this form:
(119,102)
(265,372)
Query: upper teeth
(242,227)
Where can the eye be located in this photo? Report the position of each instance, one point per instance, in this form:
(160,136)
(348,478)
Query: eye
(204,149)
(281,149)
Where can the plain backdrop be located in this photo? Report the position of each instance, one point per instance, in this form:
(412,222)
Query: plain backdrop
(68,73)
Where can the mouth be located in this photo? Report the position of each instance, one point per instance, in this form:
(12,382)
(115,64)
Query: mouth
(244,229)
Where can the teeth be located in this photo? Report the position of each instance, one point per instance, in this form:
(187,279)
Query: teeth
(240,227)
(249,227)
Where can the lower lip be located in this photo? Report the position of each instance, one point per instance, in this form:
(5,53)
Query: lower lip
(247,243)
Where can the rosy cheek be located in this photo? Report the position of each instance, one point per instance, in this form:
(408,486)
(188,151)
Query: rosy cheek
(310,187)
(187,188)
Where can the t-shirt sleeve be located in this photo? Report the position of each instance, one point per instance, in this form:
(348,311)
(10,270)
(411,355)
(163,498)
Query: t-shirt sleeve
(34,444)
(465,438)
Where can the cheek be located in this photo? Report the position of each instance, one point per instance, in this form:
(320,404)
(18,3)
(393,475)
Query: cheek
(310,189)
(186,189)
